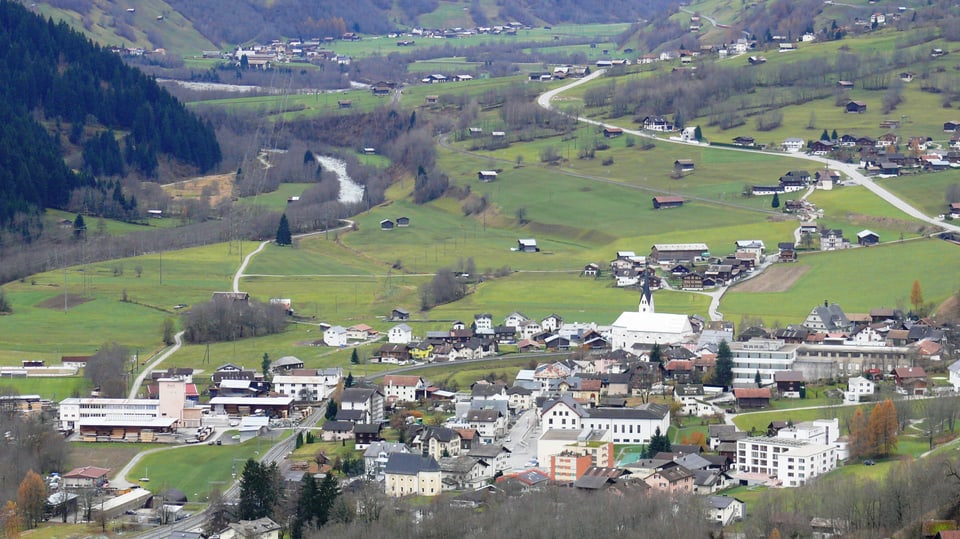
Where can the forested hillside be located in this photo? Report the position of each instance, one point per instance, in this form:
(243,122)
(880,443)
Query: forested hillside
(56,81)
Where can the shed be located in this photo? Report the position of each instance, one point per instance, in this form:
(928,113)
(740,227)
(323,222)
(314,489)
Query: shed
(684,164)
(867,237)
(386,224)
(487,175)
(858,107)
(612,132)
(667,202)
(403,221)
(527,245)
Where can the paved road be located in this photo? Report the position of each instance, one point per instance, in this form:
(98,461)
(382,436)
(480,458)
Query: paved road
(851,170)
(523,441)
(177,342)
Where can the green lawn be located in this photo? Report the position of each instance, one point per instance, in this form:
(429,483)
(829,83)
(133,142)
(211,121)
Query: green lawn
(177,468)
(52,388)
(857,279)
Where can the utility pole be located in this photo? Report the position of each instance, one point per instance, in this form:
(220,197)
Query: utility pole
(161,267)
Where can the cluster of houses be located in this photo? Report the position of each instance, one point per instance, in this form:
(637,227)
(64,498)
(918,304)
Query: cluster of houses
(678,260)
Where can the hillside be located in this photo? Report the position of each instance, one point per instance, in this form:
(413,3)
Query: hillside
(186,27)
(85,94)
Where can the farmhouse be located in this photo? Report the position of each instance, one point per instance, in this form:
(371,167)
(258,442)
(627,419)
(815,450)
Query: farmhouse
(787,252)
(744,141)
(665,201)
(793,144)
(657,123)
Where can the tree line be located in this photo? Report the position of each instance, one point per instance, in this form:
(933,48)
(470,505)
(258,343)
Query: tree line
(225,319)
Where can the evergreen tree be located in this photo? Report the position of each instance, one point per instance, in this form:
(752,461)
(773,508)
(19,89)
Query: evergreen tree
(259,490)
(306,501)
(298,443)
(698,134)
(775,203)
(283,231)
(824,136)
(327,494)
(79,227)
(656,355)
(724,372)
(756,377)
(659,443)
(349,381)
(833,136)
(265,364)
(354,357)
(331,409)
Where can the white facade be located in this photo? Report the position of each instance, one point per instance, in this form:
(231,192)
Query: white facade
(858,386)
(310,388)
(74,410)
(793,144)
(792,462)
(483,324)
(400,334)
(765,355)
(514,320)
(335,336)
(955,375)
(625,425)
(402,388)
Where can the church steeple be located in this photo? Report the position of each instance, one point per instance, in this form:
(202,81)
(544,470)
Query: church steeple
(646,298)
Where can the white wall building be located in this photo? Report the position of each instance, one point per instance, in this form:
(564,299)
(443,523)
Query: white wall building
(308,388)
(625,425)
(646,326)
(792,462)
(400,334)
(765,355)
(859,386)
(335,336)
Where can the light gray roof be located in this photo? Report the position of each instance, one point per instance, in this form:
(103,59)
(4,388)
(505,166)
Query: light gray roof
(409,464)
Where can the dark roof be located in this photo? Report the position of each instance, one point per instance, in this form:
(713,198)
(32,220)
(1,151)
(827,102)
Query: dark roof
(675,473)
(647,411)
(519,390)
(338,426)
(367,428)
(349,416)
(442,434)
(788,376)
(356,394)
(489,451)
(483,415)
(410,464)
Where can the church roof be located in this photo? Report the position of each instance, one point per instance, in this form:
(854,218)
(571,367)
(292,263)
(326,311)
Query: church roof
(678,324)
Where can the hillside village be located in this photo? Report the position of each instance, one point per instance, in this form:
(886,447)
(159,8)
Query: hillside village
(595,420)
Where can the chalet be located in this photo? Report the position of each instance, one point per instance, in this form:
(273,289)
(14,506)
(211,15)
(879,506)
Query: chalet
(793,144)
(386,224)
(657,123)
(787,252)
(684,165)
(591,270)
(527,245)
(435,78)
(855,107)
(787,47)
(907,76)
(889,168)
(752,397)
(344,103)
(612,132)
(475,131)
(867,237)
(692,281)
(950,127)
(403,222)
(667,202)
(822,147)
(844,84)
(849,141)
(790,384)
(831,239)
(399,314)
(954,209)
(381,89)
(757,60)
(744,141)
(911,380)
(887,140)
(487,175)
(793,206)
(766,190)
(431,99)
(498,134)
(394,353)
(808,228)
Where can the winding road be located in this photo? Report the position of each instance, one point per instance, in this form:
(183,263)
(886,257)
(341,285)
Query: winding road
(850,170)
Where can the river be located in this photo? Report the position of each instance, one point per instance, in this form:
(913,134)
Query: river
(350,191)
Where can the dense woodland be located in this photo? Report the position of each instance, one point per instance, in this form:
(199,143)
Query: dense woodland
(56,81)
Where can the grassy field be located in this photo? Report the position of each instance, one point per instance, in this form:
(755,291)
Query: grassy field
(853,278)
(52,388)
(176,467)
(926,192)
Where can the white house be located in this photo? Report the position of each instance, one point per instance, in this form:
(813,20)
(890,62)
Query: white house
(793,144)
(365,404)
(400,334)
(483,324)
(489,424)
(552,323)
(399,388)
(308,388)
(514,319)
(691,399)
(335,336)
(529,328)
(858,386)
(626,425)
(724,509)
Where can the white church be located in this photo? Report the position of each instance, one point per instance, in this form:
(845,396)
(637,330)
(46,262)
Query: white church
(645,326)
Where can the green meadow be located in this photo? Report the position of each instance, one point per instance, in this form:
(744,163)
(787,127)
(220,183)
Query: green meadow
(858,280)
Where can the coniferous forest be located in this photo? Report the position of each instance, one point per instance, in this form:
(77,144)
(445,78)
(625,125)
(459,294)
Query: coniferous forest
(52,77)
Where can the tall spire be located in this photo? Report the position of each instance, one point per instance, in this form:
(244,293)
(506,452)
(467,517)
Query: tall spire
(646,298)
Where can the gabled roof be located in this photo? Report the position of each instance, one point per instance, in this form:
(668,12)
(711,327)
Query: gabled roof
(906,373)
(483,416)
(87,472)
(357,394)
(751,393)
(788,376)
(403,381)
